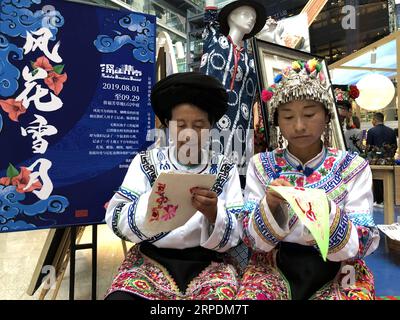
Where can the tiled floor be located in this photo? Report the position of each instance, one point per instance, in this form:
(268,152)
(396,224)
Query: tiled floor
(19,253)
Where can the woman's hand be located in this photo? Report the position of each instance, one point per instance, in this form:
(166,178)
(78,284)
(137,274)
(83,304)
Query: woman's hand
(205,201)
(274,199)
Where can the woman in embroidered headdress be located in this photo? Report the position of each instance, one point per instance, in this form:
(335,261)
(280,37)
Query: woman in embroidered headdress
(187,262)
(344,100)
(286,263)
(353,135)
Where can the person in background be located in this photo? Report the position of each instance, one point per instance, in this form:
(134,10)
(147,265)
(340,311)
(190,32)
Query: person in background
(353,135)
(380,134)
(344,99)
(377,137)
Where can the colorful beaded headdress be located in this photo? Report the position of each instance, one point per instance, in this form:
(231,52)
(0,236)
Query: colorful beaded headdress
(303,80)
(346,98)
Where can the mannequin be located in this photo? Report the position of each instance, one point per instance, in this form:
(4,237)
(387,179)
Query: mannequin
(225,56)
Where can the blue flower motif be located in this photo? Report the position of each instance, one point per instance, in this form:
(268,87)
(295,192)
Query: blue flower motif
(307,170)
(278,78)
(277,172)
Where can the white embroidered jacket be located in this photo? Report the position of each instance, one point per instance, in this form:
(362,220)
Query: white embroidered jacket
(347,181)
(127,209)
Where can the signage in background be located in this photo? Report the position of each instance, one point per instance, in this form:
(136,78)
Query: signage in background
(75,83)
(292,32)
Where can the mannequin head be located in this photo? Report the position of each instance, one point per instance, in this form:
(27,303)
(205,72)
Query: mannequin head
(242,19)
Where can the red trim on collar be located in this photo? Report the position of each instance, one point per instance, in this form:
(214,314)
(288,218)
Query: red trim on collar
(235,46)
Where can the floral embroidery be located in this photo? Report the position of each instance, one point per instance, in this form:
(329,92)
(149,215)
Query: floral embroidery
(333,152)
(323,172)
(170,212)
(280,161)
(261,296)
(226,292)
(277,172)
(163,212)
(300,182)
(139,275)
(328,163)
(263,281)
(155,215)
(141,284)
(284,178)
(314,177)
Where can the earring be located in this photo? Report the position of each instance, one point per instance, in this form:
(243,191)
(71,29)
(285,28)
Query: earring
(280,141)
(327,136)
(170,141)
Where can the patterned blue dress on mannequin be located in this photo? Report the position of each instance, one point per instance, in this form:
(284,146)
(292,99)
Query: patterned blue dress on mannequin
(234,67)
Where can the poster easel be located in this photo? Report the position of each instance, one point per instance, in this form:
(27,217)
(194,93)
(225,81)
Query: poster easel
(56,252)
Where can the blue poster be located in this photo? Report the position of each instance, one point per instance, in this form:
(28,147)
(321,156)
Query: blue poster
(75,83)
